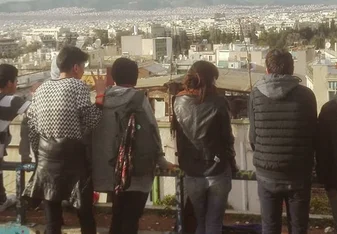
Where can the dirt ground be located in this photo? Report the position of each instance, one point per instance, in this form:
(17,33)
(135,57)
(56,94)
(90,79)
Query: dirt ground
(150,221)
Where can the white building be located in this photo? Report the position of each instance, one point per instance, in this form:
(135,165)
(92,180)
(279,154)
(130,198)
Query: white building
(8,47)
(132,45)
(55,32)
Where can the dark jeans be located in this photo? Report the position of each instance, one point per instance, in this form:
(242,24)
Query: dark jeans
(53,212)
(127,209)
(297,203)
(3,197)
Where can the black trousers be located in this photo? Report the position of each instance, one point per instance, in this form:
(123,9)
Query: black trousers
(127,209)
(297,204)
(3,197)
(53,212)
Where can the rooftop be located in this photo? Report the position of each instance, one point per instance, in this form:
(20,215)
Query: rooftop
(229,79)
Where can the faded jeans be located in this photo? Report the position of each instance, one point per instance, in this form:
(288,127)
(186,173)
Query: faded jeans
(209,198)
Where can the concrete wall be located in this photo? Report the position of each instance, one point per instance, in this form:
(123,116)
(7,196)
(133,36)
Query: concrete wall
(320,84)
(147,47)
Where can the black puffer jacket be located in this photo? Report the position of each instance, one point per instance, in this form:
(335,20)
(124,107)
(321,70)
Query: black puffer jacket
(283,119)
(205,142)
(326,154)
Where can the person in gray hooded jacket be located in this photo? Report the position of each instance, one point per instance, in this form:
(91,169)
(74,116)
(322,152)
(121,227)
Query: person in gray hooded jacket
(283,122)
(128,205)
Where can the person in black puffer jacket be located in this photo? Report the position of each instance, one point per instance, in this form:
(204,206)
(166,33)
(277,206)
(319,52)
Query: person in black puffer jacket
(326,154)
(283,123)
(205,146)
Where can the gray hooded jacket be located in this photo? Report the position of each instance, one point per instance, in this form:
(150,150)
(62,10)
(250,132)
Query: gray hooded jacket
(103,148)
(283,120)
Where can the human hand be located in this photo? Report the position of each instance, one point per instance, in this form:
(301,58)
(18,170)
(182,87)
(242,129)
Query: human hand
(171,166)
(100,82)
(35,86)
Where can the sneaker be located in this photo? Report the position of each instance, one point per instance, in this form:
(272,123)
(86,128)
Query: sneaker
(11,200)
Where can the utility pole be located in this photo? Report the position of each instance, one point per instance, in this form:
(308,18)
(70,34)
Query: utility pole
(248,55)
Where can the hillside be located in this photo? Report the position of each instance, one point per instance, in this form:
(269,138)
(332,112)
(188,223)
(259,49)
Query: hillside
(33,5)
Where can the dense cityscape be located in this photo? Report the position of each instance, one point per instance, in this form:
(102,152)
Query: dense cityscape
(165,43)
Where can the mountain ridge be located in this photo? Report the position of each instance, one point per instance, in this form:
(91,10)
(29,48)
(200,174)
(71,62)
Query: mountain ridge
(101,5)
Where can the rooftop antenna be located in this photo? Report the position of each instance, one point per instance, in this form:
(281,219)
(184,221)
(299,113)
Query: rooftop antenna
(248,56)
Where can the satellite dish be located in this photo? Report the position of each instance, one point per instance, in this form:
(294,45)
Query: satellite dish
(98,43)
(327,45)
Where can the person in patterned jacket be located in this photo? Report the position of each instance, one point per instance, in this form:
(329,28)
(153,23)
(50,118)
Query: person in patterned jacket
(60,116)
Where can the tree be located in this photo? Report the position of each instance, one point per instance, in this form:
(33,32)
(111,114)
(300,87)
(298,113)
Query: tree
(307,33)
(176,45)
(102,35)
(293,38)
(33,47)
(205,35)
(120,34)
(333,26)
(227,38)
(319,42)
(253,37)
(333,42)
(215,36)
(184,42)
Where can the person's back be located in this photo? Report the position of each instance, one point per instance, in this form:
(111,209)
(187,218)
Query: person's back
(60,117)
(10,107)
(283,122)
(205,145)
(326,154)
(203,131)
(108,150)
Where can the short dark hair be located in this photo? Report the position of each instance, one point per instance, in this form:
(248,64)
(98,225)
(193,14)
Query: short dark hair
(69,56)
(124,71)
(280,61)
(7,73)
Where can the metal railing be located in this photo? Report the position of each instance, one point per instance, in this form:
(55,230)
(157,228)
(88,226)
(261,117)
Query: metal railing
(179,175)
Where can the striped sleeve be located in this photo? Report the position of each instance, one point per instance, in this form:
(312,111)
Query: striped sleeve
(12,106)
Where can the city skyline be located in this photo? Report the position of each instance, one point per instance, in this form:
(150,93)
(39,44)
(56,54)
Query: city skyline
(104,5)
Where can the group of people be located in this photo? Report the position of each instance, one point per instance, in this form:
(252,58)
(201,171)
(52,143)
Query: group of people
(113,145)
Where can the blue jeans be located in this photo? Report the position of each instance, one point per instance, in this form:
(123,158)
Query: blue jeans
(297,203)
(209,196)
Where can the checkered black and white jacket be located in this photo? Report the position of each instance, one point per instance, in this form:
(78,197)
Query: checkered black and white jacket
(61,108)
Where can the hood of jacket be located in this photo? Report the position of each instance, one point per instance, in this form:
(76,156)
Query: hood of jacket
(117,96)
(277,86)
(54,70)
